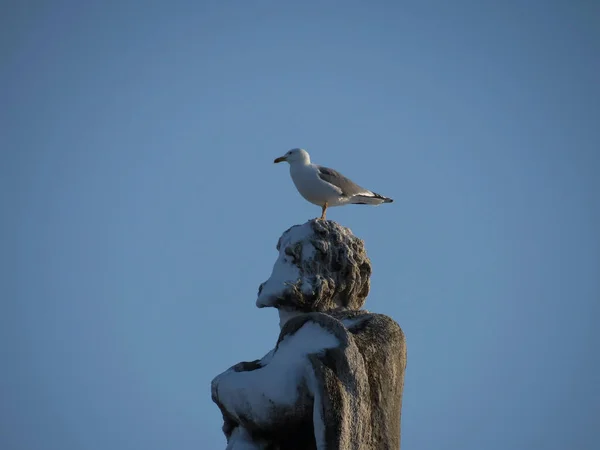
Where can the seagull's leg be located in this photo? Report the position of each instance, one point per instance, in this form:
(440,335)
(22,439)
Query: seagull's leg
(323,211)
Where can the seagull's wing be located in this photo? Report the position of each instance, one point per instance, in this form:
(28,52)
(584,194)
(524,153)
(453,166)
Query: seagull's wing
(345,186)
(348,188)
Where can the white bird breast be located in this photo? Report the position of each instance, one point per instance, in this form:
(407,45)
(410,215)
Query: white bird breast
(312,188)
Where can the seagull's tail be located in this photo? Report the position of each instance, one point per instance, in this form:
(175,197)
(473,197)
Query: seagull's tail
(385,199)
(372,198)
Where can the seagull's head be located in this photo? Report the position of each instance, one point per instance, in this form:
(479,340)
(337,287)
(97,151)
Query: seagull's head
(295,155)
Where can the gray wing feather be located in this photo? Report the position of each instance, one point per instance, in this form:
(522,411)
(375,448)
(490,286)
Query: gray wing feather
(347,187)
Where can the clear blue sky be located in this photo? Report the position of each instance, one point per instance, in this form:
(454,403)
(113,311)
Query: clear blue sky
(142,208)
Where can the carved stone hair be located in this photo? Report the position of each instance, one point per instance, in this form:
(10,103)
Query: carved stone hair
(339,272)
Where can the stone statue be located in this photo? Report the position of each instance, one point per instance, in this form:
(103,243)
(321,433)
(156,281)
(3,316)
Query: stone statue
(335,377)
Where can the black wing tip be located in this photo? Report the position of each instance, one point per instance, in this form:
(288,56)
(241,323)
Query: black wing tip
(385,199)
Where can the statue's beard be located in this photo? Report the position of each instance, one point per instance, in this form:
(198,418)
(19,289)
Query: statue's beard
(300,295)
(286,295)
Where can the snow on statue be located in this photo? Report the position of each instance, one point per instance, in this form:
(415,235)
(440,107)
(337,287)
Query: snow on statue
(335,377)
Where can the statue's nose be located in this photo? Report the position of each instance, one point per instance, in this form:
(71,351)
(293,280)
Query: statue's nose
(260,288)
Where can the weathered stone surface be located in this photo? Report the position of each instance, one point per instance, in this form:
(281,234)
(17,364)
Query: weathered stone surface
(335,377)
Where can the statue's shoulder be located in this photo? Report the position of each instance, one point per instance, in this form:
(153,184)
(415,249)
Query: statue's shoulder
(324,322)
(366,321)
(374,330)
(345,325)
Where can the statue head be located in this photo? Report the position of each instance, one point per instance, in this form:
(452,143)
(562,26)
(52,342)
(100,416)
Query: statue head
(321,266)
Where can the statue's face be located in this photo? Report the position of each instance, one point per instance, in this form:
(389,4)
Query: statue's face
(295,253)
(321,266)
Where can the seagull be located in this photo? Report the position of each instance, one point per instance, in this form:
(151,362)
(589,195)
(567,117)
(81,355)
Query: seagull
(326,187)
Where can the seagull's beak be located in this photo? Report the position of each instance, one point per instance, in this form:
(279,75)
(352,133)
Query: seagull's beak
(280,159)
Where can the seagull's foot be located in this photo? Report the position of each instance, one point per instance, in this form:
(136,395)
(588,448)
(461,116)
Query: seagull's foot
(324,212)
